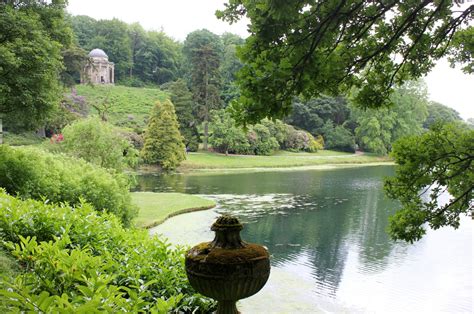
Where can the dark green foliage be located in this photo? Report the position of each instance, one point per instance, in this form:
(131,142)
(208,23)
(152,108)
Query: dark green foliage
(32,173)
(203,50)
(328,47)
(30,61)
(99,143)
(74,260)
(74,59)
(440,113)
(182,99)
(338,138)
(313,114)
(163,144)
(462,49)
(438,161)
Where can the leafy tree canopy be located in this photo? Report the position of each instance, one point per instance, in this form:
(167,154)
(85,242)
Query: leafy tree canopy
(440,113)
(30,61)
(314,47)
(438,161)
(379,128)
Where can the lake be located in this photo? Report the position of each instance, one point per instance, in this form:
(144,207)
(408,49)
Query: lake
(325,230)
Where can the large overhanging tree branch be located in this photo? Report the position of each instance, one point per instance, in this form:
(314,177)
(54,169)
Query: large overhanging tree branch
(314,47)
(439,161)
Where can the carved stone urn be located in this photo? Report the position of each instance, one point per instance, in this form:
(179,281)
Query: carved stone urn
(227,269)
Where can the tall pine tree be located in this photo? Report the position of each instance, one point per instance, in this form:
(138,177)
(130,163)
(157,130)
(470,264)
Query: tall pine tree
(163,143)
(182,99)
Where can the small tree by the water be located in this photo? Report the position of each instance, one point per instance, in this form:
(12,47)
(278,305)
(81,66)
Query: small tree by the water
(163,144)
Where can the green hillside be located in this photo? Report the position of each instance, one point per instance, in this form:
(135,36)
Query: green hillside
(128,106)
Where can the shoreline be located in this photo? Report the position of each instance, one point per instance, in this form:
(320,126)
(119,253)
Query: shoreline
(156,208)
(326,166)
(176,213)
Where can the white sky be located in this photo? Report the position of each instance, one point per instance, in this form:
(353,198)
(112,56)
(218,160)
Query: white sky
(177,18)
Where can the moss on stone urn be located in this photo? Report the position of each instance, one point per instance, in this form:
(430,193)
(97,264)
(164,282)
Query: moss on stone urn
(227,269)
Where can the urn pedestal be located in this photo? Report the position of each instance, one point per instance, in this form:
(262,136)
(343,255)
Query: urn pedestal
(227,269)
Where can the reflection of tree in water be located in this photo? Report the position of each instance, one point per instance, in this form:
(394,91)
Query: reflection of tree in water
(369,229)
(160,183)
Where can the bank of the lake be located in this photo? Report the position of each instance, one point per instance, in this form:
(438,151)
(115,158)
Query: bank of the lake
(210,161)
(154,208)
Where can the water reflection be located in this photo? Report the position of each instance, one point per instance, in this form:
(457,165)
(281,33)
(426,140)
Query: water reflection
(326,232)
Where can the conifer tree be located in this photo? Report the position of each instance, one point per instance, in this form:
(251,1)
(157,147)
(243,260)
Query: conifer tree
(163,143)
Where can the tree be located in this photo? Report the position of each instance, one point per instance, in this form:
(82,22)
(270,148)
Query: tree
(230,65)
(97,142)
(327,47)
(203,52)
(379,128)
(30,62)
(440,113)
(226,136)
(159,59)
(163,144)
(462,50)
(74,59)
(182,99)
(438,161)
(338,137)
(311,115)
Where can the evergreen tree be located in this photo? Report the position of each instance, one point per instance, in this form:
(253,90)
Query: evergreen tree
(163,144)
(182,99)
(203,51)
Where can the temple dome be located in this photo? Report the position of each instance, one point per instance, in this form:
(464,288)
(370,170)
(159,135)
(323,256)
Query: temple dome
(98,53)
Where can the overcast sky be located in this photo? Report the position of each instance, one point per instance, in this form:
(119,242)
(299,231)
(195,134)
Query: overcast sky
(177,18)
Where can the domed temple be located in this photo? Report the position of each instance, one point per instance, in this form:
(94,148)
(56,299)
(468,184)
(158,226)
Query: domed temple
(99,70)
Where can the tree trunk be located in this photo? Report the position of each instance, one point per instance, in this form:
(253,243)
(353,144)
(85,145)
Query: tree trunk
(206,134)
(206,115)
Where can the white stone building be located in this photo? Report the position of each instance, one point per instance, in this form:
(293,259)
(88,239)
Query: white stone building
(99,70)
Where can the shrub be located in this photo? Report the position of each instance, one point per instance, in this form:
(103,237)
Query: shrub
(163,144)
(32,173)
(226,136)
(99,143)
(261,141)
(299,140)
(75,260)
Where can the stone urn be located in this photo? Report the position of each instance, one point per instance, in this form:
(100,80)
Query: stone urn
(227,269)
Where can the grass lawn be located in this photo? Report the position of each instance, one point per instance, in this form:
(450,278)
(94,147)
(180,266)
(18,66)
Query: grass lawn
(282,159)
(157,207)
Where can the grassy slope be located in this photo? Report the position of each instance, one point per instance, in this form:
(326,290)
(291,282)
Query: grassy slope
(204,160)
(157,207)
(130,105)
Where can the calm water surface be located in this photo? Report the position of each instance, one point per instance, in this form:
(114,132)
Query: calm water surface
(325,230)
